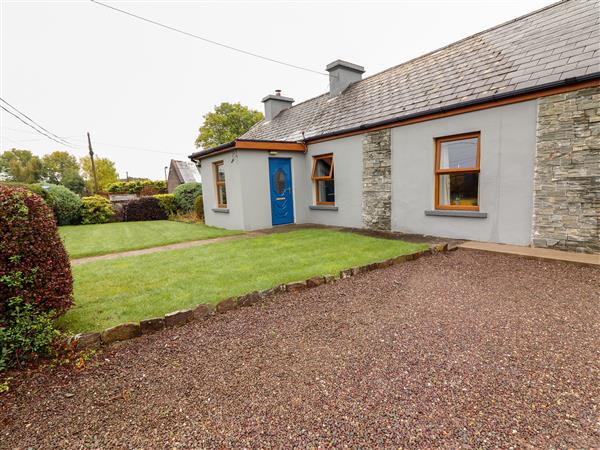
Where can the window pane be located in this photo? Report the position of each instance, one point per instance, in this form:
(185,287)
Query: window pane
(459,189)
(220,173)
(222,194)
(323,167)
(458,154)
(326,191)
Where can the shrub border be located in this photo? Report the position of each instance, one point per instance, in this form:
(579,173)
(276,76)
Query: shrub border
(130,330)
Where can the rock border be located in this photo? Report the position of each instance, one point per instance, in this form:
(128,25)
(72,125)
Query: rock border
(132,330)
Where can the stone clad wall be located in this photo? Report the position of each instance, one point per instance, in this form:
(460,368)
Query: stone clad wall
(377,180)
(567,172)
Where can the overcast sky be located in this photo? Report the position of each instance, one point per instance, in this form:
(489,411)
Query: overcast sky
(141,90)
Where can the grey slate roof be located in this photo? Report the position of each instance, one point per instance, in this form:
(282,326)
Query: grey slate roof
(187,171)
(558,43)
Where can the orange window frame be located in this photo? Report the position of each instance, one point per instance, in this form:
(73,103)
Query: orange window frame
(316,178)
(465,170)
(218,184)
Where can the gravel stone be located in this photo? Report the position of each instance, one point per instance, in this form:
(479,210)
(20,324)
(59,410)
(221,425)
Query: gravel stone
(87,340)
(296,286)
(152,325)
(203,310)
(315,281)
(121,332)
(249,299)
(178,318)
(460,350)
(227,305)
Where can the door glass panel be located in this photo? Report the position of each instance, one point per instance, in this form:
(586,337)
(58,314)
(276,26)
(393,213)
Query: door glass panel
(458,154)
(459,189)
(279,182)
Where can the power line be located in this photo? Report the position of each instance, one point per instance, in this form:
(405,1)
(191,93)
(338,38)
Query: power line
(33,121)
(40,132)
(210,41)
(138,148)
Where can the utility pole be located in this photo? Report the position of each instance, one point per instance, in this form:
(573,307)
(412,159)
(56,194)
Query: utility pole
(93,165)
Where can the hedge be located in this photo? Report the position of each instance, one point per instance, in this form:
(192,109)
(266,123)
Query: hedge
(65,203)
(167,203)
(144,208)
(136,187)
(31,250)
(185,196)
(96,209)
(36,284)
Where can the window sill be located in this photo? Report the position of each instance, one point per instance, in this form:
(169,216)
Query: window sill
(456,213)
(323,207)
(221,210)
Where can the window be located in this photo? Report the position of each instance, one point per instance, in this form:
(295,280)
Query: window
(457,172)
(323,176)
(220,185)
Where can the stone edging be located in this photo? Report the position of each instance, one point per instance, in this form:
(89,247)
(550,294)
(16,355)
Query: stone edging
(132,330)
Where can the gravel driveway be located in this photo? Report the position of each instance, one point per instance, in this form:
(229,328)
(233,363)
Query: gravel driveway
(466,349)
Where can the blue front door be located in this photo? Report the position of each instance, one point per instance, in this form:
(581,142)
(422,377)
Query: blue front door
(282,200)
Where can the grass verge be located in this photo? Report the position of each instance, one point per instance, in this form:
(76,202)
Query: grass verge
(108,293)
(101,239)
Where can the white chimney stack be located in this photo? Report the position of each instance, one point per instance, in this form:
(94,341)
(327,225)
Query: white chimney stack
(274,104)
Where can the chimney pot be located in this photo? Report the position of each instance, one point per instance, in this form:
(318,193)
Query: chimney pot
(341,75)
(278,92)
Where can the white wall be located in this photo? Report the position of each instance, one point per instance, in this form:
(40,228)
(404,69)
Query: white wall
(347,161)
(255,183)
(234,218)
(508,136)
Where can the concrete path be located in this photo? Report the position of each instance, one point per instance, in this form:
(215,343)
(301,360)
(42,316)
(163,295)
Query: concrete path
(534,253)
(165,248)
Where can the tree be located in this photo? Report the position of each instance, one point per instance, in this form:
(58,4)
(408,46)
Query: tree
(20,166)
(227,122)
(74,182)
(105,172)
(57,165)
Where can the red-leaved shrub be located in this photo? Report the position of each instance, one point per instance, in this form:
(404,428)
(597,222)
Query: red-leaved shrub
(143,208)
(34,265)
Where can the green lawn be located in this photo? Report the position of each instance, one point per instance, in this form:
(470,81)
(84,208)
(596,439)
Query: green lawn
(90,240)
(139,287)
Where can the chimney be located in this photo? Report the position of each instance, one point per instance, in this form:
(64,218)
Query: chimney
(341,75)
(274,104)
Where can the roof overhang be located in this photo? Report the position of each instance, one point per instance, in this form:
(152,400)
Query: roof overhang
(243,144)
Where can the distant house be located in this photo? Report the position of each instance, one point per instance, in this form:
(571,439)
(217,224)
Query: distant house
(182,172)
(492,138)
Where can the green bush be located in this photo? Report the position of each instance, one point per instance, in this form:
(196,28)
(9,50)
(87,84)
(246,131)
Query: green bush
(65,204)
(96,209)
(167,203)
(199,207)
(185,196)
(26,334)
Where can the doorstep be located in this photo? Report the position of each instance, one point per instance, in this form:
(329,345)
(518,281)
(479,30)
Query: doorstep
(535,253)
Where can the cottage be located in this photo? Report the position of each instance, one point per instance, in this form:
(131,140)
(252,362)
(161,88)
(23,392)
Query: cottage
(493,138)
(181,172)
